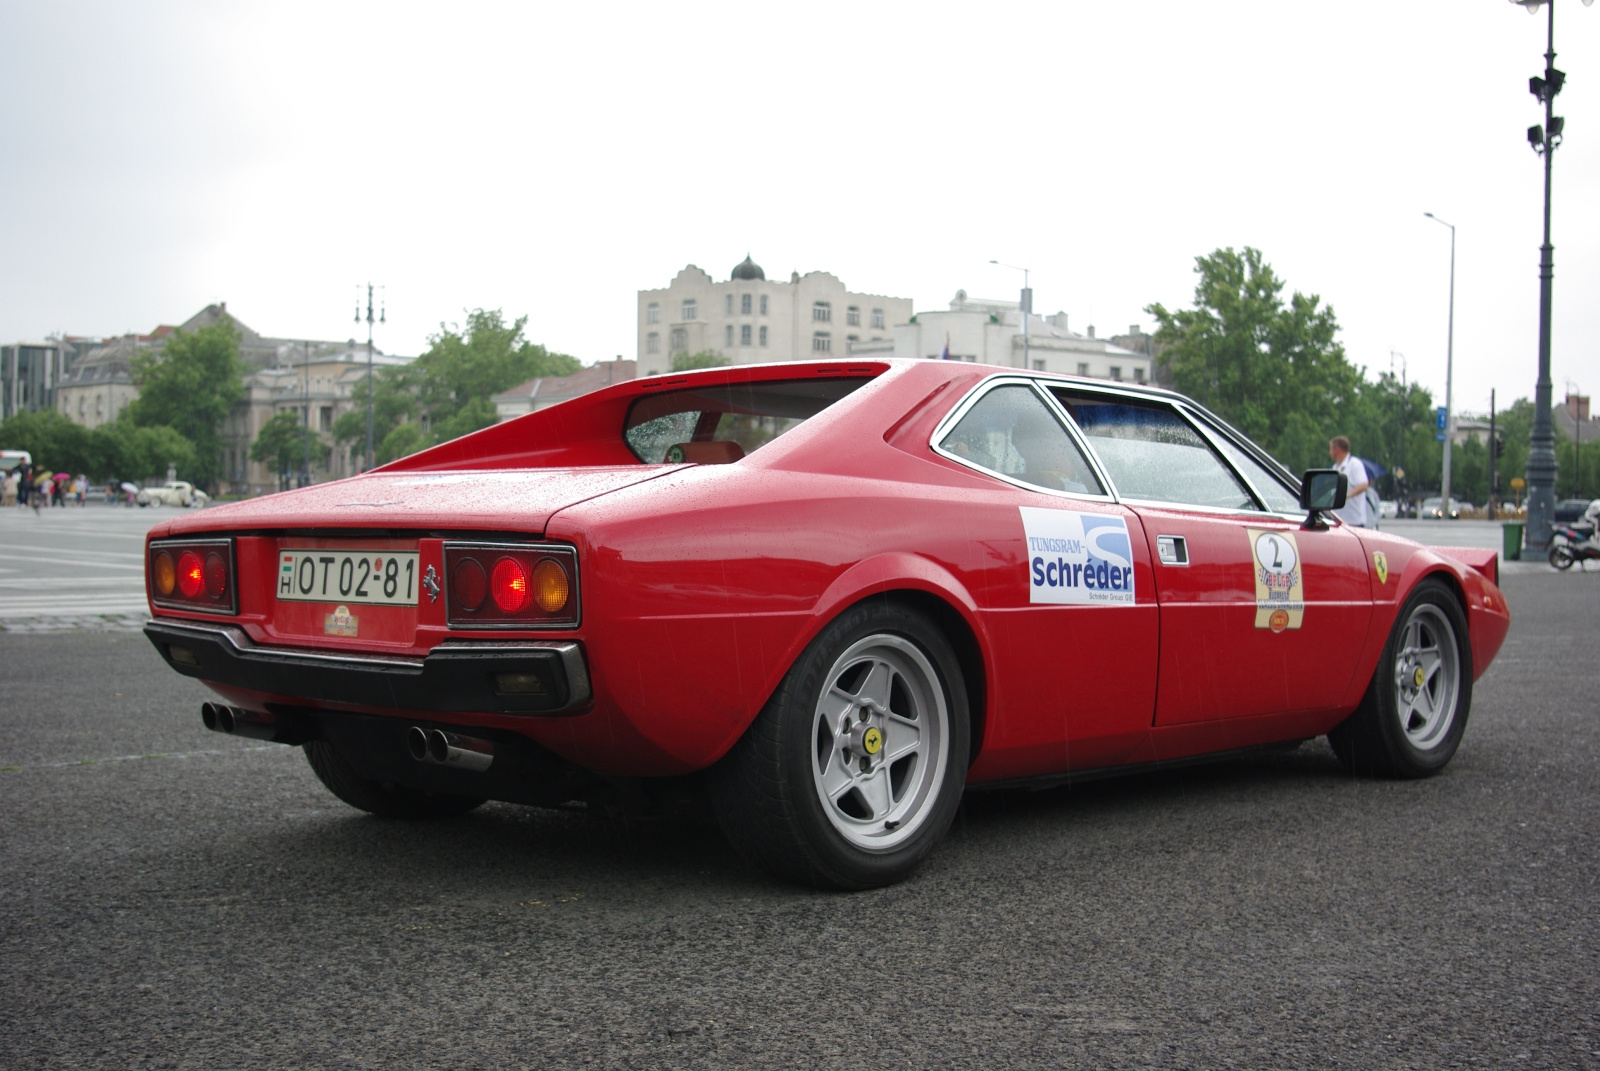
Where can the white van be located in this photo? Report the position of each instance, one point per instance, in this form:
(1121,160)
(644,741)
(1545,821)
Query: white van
(10,459)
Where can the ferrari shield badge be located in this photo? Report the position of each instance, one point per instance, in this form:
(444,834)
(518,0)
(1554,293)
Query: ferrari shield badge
(1280,593)
(1380,565)
(340,623)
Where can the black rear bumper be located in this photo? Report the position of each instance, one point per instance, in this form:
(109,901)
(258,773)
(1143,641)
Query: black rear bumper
(533,677)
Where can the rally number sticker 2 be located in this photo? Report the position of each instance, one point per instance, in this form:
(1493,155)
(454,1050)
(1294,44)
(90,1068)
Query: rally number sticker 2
(1078,559)
(1280,590)
(382,577)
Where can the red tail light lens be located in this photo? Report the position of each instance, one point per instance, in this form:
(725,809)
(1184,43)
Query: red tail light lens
(192,574)
(468,584)
(511,585)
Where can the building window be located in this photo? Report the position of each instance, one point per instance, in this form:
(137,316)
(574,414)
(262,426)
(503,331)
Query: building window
(727,332)
(763,327)
(877,319)
(1138,375)
(1038,366)
(652,342)
(680,340)
(821,342)
(729,309)
(1083,368)
(852,316)
(763,304)
(744,304)
(821,312)
(688,310)
(1116,372)
(744,333)
(652,313)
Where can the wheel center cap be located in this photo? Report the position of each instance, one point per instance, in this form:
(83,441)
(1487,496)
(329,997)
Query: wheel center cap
(872,740)
(1419,677)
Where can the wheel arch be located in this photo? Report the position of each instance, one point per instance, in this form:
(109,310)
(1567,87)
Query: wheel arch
(924,585)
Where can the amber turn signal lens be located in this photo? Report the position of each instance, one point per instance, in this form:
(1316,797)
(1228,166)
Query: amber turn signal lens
(550,586)
(509,585)
(166,575)
(191,578)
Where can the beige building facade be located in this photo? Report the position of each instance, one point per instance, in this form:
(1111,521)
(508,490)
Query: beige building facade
(750,319)
(990,332)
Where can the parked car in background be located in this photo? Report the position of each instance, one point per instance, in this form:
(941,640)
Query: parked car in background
(176,493)
(1569,510)
(1388,509)
(1433,509)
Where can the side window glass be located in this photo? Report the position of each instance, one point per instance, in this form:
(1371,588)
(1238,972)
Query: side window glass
(1150,452)
(1012,432)
(1278,497)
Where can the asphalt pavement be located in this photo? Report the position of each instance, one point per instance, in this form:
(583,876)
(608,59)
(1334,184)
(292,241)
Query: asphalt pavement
(172,898)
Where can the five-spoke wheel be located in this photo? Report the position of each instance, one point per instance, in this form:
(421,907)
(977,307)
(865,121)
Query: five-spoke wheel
(855,767)
(1410,721)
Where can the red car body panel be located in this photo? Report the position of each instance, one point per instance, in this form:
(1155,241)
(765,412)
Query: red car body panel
(702,584)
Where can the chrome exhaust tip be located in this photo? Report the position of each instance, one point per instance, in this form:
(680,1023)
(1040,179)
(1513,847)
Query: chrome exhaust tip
(208,717)
(449,749)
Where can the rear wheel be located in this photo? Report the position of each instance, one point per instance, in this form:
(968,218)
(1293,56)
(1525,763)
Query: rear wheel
(388,801)
(854,769)
(1411,719)
(1561,555)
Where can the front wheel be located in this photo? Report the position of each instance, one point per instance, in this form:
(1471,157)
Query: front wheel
(854,769)
(1411,719)
(1561,555)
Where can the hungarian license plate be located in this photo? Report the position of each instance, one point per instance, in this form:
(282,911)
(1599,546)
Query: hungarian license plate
(318,574)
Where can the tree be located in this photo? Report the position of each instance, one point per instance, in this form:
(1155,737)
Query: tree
(282,443)
(1275,370)
(684,362)
(448,391)
(190,386)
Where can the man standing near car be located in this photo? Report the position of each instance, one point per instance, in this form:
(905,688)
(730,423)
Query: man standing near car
(1354,511)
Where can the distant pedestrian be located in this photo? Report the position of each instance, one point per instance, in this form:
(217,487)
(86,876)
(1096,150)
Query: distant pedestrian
(8,488)
(24,482)
(1355,512)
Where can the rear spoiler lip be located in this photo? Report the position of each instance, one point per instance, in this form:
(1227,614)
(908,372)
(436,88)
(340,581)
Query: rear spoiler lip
(1483,560)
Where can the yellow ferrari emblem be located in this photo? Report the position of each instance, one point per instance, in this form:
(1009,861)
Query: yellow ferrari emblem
(1380,565)
(1419,677)
(872,741)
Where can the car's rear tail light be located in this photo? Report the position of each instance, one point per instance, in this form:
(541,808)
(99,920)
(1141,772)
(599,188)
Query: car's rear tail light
(193,574)
(511,585)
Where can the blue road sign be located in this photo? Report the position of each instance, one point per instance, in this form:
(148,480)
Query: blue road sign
(1438,436)
(1439,421)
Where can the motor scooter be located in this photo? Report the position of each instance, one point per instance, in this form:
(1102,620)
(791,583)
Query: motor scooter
(1573,543)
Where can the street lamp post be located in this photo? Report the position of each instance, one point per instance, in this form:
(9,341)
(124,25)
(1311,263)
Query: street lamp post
(382,318)
(1026,304)
(1449,369)
(1541,441)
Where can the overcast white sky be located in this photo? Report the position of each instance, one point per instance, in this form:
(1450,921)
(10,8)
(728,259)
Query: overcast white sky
(552,159)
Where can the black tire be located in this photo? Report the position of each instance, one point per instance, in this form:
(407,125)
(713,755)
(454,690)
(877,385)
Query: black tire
(1411,719)
(777,795)
(1561,555)
(387,801)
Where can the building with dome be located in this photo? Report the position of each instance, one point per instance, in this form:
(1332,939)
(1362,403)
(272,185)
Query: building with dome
(750,319)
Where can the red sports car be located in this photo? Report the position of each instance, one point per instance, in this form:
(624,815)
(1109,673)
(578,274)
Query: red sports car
(835,594)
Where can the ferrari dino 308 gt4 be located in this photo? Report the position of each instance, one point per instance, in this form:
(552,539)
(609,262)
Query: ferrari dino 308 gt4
(837,594)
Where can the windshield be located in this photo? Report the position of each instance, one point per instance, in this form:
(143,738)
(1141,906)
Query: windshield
(720,424)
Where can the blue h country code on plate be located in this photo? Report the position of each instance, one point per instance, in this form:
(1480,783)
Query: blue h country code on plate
(384,577)
(1078,559)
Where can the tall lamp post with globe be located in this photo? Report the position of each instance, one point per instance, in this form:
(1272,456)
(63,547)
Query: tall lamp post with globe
(1542,443)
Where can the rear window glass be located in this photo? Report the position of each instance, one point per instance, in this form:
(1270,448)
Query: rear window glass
(680,425)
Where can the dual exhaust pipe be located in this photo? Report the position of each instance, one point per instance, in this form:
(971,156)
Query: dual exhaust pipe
(449,749)
(237,721)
